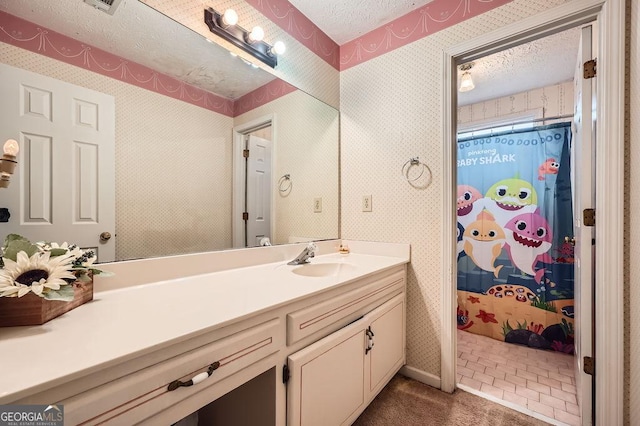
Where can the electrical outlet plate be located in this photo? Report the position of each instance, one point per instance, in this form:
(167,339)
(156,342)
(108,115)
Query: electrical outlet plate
(366,203)
(317,205)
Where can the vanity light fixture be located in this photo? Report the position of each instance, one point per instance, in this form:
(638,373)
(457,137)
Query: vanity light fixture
(226,26)
(8,162)
(466,83)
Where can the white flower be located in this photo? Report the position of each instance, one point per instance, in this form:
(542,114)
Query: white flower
(36,273)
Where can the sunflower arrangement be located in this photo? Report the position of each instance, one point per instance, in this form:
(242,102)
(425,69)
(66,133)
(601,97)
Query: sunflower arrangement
(45,269)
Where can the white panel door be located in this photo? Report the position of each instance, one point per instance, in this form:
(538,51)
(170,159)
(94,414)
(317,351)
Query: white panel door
(258,190)
(64,185)
(583,183)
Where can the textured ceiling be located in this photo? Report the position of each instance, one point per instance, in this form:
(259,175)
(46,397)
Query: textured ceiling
(344,20)
(536,64)
(139,33)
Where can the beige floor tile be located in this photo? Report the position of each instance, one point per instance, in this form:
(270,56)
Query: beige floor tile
(539,380)
(492,390)
(516,380)
(553,402)
(550,382)
(565,396)
(538,387)
(484,378)
(545,410)
(567,418)
(471,382)
(516,399)
(504,385)
(527,393)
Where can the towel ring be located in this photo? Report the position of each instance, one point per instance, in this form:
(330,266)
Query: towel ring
(414,161)
(285,183)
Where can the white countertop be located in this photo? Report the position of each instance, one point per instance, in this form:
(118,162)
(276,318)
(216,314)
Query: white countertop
(122,324)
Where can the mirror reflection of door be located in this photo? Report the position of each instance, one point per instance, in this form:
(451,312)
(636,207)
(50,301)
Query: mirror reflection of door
(258,189)
(63,188)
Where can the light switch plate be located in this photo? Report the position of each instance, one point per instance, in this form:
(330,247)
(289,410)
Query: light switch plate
(317,205)
(366,203)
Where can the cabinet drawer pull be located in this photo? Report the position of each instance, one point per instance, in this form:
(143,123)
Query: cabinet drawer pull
(195,380)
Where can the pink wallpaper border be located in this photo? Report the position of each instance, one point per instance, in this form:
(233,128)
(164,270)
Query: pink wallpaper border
(27,35)
(290,19)
(422,22)
(261,96)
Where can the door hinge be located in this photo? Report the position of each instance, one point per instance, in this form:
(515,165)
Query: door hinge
(589,217)
(285,373)
(245,216)
(589,365)
(245,153)
(589,69)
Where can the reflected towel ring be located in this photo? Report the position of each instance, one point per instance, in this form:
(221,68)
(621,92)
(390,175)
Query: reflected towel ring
(415,161)
(283,181)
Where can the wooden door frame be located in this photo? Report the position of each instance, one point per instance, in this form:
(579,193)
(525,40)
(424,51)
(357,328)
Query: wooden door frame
(609,278)
(237,203)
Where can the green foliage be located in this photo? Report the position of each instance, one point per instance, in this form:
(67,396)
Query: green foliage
(523,325)
(543,304)
(13,244)
(567,327)
(506,328)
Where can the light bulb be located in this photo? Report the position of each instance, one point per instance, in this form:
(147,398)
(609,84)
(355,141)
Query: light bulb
(11,147)
(278,48)
(466,83)
(257,34)
(230,17)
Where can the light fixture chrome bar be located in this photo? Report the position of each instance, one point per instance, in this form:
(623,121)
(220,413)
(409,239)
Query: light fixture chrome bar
(238,36)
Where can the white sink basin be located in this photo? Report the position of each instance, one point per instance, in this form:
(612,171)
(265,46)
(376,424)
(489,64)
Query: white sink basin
(323,269)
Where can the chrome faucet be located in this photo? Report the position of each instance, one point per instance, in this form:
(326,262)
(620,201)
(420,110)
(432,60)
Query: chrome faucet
(308,252)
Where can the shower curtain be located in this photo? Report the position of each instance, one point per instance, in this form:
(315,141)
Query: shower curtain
(515,269)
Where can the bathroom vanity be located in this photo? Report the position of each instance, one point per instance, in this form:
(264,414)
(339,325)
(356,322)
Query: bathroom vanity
(267,344)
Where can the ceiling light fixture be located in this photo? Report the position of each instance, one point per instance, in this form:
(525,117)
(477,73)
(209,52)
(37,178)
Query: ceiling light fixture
(466,82)
(226,26)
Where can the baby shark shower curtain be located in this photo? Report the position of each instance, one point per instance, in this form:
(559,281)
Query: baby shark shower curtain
(515,270)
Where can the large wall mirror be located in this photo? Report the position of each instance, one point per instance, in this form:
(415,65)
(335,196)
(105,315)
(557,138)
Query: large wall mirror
(176,148)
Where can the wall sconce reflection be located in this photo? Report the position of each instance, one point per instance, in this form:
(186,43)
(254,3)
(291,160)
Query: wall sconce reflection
(226,26)
(8,162)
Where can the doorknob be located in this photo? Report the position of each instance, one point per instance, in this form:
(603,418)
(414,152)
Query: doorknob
(105,236)
(571,240)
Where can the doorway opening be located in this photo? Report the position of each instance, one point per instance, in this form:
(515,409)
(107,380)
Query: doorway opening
(609,157)
(253,222)
(515,265)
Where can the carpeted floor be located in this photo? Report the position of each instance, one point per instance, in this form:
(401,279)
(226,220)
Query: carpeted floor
(406,402)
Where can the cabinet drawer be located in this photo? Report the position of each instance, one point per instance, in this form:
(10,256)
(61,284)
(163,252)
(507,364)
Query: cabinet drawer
(307,321)
(135,397)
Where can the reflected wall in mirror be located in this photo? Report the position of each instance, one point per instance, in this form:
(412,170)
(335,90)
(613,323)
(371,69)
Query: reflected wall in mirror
(174,153)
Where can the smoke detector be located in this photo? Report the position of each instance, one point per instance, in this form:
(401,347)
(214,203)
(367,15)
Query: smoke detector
(107,6)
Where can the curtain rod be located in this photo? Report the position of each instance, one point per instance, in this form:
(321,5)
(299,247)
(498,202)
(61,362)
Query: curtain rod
(534,120)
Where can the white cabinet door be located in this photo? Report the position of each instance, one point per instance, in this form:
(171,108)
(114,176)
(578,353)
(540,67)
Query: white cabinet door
(64,185)
(387,354)
(333,380)
(327,380)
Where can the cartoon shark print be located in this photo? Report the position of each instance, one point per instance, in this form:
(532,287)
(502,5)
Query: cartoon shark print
(460,242)
(549,167)
(510,197)
(470,204)
(483,241)
(529,239)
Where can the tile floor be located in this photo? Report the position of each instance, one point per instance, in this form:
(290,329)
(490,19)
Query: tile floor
(542,381)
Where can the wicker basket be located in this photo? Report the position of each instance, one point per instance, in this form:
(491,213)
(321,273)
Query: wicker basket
(34,310)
